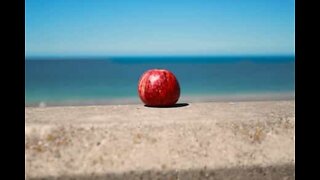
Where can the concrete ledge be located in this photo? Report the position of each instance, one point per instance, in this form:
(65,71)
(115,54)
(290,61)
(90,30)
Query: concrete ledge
(225,140)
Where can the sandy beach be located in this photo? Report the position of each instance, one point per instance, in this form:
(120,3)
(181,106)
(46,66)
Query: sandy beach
(209,140)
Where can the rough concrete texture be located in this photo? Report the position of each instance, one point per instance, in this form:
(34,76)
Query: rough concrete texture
(222,140)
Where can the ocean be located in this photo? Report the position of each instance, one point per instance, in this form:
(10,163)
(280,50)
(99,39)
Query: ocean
(76,81)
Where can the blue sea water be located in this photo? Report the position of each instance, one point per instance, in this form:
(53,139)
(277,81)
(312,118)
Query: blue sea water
(58,80)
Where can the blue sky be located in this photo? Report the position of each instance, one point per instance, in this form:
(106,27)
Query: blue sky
(159,27)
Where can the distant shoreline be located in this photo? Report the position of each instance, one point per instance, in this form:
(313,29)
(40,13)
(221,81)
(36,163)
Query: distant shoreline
(183,99)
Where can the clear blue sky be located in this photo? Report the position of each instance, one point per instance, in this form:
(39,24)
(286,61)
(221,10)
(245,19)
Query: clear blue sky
(159,27)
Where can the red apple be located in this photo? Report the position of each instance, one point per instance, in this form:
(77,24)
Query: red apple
(158,87)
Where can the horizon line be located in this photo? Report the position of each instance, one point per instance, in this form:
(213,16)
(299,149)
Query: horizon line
(155,56)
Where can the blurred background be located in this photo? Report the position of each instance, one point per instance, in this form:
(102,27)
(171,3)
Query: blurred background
(82,51)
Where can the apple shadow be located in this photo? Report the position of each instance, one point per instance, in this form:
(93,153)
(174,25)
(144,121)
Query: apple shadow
(177,105)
